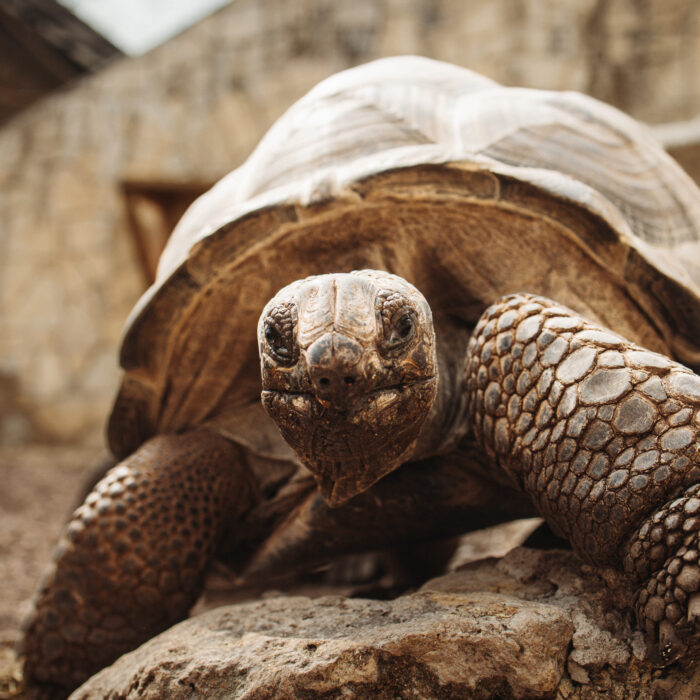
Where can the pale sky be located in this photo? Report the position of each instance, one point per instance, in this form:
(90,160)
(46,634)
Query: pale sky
(136,26)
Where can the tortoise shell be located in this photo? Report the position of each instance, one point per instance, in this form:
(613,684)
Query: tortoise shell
(467,189)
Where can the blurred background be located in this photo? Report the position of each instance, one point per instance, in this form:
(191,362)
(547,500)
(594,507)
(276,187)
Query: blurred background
(115,114)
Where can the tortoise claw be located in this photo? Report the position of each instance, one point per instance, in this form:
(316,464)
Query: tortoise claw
(694,610)
(668,648)
(671,647)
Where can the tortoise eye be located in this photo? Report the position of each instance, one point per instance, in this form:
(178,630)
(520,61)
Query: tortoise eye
(398,321)
(279,333)
(404,326)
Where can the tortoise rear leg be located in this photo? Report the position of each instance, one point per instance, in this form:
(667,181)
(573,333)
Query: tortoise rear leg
(131,561)
(604,436)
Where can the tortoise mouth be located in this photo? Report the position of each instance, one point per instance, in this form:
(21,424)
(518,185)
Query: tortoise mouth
(350,448)
(382,395)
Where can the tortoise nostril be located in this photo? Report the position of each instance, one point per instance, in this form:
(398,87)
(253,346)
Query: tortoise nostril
(326,382)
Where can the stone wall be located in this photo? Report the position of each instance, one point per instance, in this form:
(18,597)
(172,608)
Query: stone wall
(682,141)
(192,109)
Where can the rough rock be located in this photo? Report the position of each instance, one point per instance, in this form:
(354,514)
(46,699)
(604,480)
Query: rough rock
(531,625)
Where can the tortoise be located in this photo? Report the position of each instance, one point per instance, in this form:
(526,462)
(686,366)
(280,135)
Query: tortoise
(531,222)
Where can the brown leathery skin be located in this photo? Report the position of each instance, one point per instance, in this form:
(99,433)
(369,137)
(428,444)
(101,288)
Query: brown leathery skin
(132,559)
(349,374)
(420,502)
(605,437)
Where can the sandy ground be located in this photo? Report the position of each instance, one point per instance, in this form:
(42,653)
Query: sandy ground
(40,487)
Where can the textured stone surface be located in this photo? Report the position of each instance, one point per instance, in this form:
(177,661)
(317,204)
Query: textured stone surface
(532,625)
(682,140)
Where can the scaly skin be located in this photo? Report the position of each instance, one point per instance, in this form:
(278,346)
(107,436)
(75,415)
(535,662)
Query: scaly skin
(600,434)
(132,559)
(603,435)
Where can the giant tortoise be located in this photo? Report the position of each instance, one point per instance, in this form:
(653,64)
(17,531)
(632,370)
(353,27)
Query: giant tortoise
(450,254)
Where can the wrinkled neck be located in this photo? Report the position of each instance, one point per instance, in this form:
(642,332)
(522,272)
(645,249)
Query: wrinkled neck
(447,421)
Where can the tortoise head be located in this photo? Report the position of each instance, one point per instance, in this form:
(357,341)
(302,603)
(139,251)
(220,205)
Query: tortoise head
(349,374)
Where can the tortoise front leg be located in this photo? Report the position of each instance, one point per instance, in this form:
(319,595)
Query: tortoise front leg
(131,561)
(603,435)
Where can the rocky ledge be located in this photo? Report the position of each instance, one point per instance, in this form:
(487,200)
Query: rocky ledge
(534,624)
